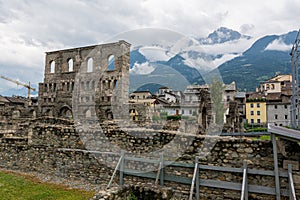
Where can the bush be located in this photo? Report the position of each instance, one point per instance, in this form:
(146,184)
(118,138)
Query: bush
(256,129)
(174,117)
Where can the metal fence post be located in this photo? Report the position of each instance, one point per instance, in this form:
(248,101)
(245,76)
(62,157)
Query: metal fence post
(244,195)
(292,194)
(122,167)
(276,171)
(197,180)
(161,175)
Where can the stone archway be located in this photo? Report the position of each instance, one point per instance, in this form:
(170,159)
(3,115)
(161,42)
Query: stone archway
(66,112)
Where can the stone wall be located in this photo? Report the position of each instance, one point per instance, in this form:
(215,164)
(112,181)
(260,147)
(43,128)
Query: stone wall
(54,147)
(79,75)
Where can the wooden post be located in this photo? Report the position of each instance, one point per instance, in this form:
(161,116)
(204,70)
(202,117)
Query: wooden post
(122,168)
(276,171)
(197,180)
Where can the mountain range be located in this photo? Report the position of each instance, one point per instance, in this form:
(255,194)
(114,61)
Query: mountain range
(260,61)
(191,60)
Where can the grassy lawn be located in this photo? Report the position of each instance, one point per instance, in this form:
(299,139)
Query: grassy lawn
(17,187)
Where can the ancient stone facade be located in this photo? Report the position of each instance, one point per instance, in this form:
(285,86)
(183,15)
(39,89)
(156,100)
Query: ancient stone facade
(84,76)
(233,119)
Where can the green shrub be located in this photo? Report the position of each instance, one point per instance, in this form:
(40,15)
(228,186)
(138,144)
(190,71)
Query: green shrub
(174,117)
(131,196)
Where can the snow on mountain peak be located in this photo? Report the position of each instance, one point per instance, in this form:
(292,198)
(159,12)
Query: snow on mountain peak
(203,54)
(222,35)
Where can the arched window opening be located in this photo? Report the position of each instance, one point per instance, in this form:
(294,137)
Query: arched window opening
(66,113)
(90,63)
(116,84)
(70,62)
(52,66)
(88,85)
(68,87)
(111,63)
(88,114)
(33,114)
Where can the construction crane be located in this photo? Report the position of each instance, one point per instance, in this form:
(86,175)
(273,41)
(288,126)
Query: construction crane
(20,83)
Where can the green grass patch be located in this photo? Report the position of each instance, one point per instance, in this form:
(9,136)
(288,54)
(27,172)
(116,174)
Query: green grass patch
(19,187)
(264,137)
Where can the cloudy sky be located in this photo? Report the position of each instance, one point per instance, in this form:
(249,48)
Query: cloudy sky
(29,28)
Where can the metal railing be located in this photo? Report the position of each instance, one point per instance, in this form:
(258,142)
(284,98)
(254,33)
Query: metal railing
(292,193)
(244,194)
(195,182)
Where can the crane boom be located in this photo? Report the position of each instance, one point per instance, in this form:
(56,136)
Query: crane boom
(20,83)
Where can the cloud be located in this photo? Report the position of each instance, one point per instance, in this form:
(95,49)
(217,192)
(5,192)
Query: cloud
(29,28)
(279,45)
(144,68)
(154,53)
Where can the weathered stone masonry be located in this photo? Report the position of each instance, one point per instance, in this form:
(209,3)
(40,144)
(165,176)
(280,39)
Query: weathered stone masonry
(55,148)
(94,71)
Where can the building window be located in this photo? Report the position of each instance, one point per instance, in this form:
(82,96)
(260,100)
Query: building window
(252,121)
(258,112)
(276,117)
(258,105)
(182,112)
(251,105)
(251,112)
(70,62)
(272,86)
(52,66)
(190,112)
(275,106)
(258,121)
(228,98)
(111,63)
(90,65)
(285,117)
(285,106)
(68,87)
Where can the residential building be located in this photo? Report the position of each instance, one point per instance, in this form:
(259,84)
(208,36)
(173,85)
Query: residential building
(276,84)
(256,109)
(273,96)
(229,92)
(278,109)
(140,95)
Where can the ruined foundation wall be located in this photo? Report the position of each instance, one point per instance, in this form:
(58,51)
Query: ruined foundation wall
(55,148)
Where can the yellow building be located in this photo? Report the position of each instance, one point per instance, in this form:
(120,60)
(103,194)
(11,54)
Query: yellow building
(256,111)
